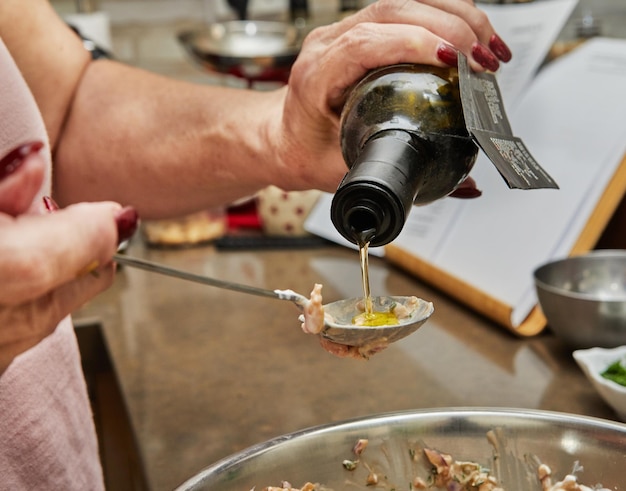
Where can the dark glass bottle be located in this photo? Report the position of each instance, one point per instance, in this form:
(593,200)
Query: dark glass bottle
(404,139)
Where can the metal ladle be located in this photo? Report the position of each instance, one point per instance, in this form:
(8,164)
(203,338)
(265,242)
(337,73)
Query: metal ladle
(339,330)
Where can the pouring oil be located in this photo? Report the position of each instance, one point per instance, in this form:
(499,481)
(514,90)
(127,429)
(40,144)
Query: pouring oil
(405,141)
(369,317)
(365,278)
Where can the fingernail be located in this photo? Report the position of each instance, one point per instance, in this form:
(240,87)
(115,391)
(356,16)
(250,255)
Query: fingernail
(127,219)
(466,193)
(50,204)
(448,55)
(499,48)
(15,158)
(485,57)
(127,222)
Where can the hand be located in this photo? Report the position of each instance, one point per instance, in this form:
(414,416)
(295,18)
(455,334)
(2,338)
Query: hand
(45,260)
(336,56)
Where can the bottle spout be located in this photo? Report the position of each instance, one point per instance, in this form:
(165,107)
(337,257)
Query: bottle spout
(377,193)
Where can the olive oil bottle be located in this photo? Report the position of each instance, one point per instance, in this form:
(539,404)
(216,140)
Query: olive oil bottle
(404,139)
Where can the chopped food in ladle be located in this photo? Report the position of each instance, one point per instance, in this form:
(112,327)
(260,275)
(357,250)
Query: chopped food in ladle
(313,320)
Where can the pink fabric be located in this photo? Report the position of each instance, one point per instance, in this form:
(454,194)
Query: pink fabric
(47,434)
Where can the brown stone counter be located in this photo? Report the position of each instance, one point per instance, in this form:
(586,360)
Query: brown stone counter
(204,373)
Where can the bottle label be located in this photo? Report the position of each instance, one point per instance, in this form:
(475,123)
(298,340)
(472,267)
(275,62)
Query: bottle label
(487,122)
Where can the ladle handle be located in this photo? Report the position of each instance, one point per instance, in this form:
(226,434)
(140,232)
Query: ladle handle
(205,280)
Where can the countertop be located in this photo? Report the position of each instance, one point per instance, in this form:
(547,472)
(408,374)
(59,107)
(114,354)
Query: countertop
(206,372)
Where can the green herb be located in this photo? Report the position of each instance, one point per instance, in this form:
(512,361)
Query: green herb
(615,372)
(350,465)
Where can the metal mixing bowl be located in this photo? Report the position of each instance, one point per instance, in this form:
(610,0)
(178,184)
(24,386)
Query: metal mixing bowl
(522,436)
(584,298)
(255,50)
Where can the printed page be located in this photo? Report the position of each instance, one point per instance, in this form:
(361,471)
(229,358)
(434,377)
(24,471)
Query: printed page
(572,119)
(529,29)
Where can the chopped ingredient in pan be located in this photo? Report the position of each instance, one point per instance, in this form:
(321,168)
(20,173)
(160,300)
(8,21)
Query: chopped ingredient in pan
(468,476)
(285,486)
(445,474)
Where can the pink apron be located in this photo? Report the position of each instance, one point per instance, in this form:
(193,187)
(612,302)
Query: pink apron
(47,434)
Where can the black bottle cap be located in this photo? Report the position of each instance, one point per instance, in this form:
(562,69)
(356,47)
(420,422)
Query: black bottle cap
(378,191)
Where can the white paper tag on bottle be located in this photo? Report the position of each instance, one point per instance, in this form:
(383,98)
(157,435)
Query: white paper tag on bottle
(487,122)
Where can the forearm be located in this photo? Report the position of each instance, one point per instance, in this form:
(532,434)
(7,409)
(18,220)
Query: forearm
(166,147)
(124,134)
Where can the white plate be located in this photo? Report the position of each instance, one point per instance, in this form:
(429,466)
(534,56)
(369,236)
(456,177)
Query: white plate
(593,362)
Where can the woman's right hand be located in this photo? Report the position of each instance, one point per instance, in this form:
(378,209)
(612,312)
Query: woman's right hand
(50,263)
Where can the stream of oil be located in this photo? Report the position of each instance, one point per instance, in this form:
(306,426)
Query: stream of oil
(365,278)
(370,317)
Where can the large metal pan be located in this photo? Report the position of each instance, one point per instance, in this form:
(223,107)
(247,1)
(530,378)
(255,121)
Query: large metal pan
(254,50)
(523,438)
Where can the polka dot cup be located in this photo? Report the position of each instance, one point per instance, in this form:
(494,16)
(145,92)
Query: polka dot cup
(283,213)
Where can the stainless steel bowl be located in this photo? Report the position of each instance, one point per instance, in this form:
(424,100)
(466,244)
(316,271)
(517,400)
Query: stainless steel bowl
(584,298)
(253,50)
(316,455)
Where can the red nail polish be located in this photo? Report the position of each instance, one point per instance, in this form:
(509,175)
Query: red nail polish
(485,57)
(127,222)
(448,55)
(50,204)
(466,193)
(499,48)
(16,157)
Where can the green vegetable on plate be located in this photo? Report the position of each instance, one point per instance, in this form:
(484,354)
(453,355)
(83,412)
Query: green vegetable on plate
(615,372)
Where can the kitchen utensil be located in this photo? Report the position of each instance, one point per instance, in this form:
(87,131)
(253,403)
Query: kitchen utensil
(340,329)
(584,298)
(522,438)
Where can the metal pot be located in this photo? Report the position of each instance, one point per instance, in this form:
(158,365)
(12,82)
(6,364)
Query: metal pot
(523,438)
(253,50)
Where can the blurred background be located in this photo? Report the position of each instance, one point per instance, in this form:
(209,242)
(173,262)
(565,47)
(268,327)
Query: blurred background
(143,32)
